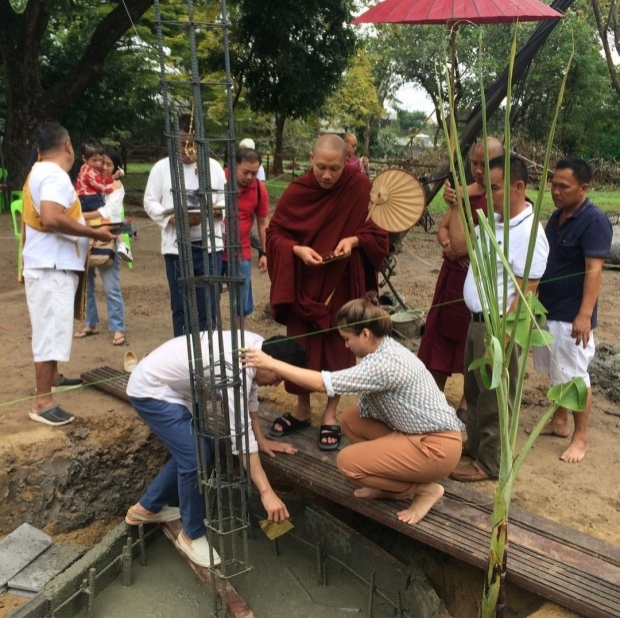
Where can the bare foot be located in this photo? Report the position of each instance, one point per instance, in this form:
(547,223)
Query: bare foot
(576,451)
(425,497)
(552,428)
(369,493)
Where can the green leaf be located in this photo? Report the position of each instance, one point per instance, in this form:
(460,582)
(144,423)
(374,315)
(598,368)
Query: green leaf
(570,395)
(541,338)
(497,358)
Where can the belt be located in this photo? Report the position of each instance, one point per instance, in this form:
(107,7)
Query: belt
(477,317)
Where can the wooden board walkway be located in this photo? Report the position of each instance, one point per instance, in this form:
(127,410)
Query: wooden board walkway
(558,563)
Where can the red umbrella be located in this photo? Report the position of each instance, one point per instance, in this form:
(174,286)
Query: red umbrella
(451,11)
(454,12)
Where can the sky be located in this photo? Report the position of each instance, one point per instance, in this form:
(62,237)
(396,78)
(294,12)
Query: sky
(413,99)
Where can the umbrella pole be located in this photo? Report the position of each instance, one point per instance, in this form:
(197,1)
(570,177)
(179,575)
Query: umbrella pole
(452,27)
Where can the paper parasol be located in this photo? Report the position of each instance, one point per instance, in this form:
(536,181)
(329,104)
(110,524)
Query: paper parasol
(397,200)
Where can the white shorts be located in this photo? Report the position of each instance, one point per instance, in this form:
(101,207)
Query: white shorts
(51,294)
(563,360)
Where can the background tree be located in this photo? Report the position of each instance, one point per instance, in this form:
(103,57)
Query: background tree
(295,54)
(29,101)
(356,99)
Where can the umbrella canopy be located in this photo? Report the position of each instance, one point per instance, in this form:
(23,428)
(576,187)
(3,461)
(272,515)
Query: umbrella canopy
(447,11)
(397,200)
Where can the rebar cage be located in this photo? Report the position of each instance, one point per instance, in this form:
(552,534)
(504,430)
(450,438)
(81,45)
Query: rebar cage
(225,487)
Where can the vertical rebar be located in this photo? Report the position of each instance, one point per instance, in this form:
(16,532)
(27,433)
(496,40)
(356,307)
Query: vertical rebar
(91,591)
(142,545)
(371,595)
(320,564)
(399,605)
(126,557)
(276,547)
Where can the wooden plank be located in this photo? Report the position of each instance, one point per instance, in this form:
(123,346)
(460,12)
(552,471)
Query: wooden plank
(563,565)
(235,605)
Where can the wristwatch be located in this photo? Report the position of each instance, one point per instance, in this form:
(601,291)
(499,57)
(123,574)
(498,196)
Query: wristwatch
(260,253)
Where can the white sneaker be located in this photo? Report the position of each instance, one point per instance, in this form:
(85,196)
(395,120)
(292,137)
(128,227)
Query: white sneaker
(125,252)
(197,550)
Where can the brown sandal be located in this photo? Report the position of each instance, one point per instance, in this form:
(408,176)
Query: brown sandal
(85,332)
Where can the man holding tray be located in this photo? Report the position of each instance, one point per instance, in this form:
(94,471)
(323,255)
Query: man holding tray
(159,206)
(323,212)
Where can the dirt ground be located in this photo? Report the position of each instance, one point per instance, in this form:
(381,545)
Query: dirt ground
(585,496)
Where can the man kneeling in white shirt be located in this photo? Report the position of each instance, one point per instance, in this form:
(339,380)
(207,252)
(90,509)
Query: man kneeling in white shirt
(159,389)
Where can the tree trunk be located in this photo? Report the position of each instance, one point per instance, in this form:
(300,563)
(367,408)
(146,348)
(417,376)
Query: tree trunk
(277,156)
(28,104)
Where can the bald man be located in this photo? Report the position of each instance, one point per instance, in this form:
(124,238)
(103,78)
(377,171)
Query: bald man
(321,253)
(361,165)
(442,347)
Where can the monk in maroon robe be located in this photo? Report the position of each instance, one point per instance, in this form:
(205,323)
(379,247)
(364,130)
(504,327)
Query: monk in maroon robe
(442,348)
(323,212)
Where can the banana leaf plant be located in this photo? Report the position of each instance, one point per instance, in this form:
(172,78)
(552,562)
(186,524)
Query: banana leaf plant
(522,328)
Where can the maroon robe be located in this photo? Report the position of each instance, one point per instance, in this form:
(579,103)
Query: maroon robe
(442,347)
(307,298)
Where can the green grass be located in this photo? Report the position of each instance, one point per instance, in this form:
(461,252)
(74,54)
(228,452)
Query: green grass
(607,201)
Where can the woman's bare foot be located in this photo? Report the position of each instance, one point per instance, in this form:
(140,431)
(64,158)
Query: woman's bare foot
(425,497)
(557,426)
(576,450)
(368,493)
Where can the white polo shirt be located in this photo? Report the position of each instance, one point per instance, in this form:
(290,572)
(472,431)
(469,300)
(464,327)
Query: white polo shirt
(520,230)
(158,200)
(48,182)
(164,375)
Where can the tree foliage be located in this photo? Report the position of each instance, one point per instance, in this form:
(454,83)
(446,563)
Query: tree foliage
(294,56)
(29,99)
(357,98)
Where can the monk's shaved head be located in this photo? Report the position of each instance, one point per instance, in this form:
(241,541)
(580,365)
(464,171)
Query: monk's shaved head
(328,157)
(476,157)
(330,142)
(494,146)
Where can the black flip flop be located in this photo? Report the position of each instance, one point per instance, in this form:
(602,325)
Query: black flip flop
(289,425)
(329,431)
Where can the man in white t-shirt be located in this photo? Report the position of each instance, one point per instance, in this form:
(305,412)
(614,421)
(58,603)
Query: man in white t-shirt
(158,203)
(160,391)
(55,249)
(482,448)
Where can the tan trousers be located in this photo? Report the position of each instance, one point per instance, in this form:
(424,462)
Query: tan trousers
(391,461)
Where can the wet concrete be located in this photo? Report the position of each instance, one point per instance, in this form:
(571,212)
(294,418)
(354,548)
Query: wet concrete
(276,587)
(166,587)
(287,585)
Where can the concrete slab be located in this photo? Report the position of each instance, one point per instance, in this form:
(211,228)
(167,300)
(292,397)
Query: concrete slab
(44,568)
(22,593)
(19,549)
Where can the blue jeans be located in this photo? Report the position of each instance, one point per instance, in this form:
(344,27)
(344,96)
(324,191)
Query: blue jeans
(173,272)
(247,300)
(90,203)
(172,422)
(110,277)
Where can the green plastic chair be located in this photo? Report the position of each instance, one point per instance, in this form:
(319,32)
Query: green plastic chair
(17,207)
(126,237)
(4,188)
(16,195)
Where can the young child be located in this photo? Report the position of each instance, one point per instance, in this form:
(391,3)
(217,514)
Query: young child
(92,187)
